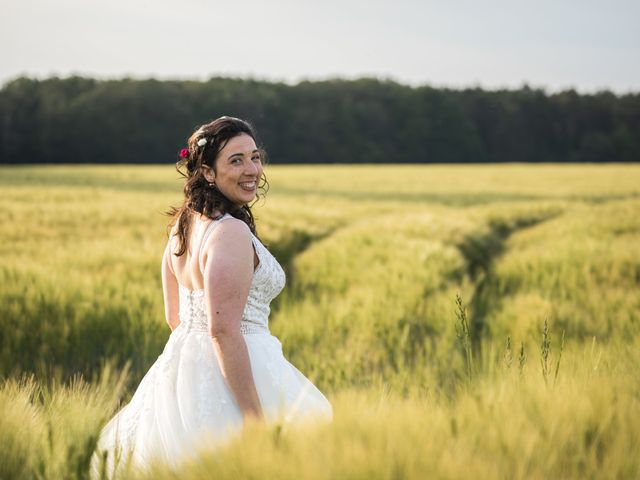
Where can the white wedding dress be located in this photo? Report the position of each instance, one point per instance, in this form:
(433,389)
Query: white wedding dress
(183,402)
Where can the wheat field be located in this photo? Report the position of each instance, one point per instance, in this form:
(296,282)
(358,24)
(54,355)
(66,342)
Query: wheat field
(464,320)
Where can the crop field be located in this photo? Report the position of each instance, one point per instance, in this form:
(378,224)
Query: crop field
(465,321)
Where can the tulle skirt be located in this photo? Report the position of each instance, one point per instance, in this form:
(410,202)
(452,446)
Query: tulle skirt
(184,402)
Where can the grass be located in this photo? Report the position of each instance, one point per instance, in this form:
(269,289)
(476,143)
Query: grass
(463,320)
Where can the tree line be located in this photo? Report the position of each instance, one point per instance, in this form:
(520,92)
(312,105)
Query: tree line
(368,120)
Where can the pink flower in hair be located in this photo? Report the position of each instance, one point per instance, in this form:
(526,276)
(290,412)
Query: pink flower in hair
(184,153)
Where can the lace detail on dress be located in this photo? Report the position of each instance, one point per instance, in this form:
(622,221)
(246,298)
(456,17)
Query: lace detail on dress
(193,312)
(209,402)
(268,281)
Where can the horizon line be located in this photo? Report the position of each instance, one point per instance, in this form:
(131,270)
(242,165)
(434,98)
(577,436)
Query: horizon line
(383,78)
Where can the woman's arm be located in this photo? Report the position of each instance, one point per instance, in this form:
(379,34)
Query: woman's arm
(170,290)
(228,272)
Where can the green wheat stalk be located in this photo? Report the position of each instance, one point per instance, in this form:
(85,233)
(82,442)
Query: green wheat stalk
(522,358)
(508,354)
(463,333)
(545,349)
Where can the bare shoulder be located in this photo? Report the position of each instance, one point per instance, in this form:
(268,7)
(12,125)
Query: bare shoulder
(232,228)
(230,235)
(229,243)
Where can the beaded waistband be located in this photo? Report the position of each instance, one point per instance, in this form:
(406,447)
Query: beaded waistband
(246,328)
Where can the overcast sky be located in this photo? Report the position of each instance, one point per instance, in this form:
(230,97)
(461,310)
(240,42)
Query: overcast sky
(584,44)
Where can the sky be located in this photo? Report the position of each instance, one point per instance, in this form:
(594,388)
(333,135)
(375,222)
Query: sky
(552,44)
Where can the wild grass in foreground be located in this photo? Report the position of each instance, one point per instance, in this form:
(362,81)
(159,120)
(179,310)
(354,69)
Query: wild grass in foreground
(49,430)
(503,423)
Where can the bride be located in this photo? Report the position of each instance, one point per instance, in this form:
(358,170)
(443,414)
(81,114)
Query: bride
(221,367)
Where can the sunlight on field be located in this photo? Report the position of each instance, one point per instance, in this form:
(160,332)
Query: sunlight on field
(374,256)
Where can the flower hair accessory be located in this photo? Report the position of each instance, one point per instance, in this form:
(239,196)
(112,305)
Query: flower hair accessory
(202,141)
(184,153)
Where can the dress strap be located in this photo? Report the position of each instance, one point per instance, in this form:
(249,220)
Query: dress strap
(207,233)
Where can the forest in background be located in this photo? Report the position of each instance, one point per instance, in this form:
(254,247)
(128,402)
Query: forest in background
(85,120)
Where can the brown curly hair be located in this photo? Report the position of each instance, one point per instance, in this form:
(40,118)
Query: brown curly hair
(199,197)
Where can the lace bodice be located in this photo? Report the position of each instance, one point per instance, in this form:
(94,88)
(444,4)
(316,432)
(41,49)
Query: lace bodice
(268,281)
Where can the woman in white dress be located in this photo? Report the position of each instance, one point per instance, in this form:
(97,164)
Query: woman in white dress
(221,366)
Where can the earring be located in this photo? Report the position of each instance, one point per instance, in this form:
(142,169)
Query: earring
(212,184)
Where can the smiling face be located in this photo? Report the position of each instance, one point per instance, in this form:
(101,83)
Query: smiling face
(238,168)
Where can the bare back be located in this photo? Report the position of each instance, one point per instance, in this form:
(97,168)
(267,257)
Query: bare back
(186,267)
